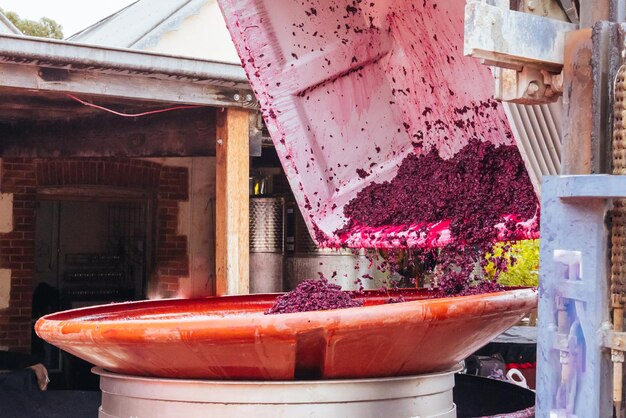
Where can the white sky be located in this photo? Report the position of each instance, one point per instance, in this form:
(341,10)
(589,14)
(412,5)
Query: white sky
(73,15)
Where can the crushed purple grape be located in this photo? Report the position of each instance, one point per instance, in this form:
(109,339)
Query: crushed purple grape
(398,299)
(314,295)
(473,190)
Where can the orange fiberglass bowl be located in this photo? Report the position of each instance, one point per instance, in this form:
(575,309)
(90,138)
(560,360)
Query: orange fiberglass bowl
(231,338)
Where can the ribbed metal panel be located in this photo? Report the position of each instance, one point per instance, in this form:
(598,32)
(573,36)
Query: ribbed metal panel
(299,239)
(266,224)
(537,132)
(303,242)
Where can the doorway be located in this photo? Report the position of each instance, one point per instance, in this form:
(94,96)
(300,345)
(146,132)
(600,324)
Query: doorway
(87,252)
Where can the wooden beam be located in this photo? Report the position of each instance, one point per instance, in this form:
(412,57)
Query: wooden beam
(188,132)
(232,202)
(123,86)
(201,242)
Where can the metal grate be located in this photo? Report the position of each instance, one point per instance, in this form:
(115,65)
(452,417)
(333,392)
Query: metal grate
(103,277)
(126,221)
(537,132)
(128,237)
(100,294)
(91,259)
(304,244)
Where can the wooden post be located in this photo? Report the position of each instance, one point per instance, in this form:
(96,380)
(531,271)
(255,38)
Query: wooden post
(232,203)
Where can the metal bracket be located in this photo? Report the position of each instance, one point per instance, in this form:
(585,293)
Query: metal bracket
(527,49)
(553,9)
(500,35)
(615,340)
(528,86)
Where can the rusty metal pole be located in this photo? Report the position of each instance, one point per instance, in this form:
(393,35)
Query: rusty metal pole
(586,93)
(603,153)
(592,11)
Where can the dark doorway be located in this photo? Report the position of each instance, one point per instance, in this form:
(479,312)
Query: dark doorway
(87,252)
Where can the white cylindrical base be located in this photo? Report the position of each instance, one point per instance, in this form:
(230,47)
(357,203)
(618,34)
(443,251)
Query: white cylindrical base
(396,397)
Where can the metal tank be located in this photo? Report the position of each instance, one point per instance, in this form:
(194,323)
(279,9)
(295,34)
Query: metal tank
(305,260)
(426,396)
(266,244)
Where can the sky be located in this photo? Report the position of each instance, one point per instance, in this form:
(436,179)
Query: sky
(73,15)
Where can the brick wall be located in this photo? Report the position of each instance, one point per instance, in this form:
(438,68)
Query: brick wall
(171,257)
(135,174)
(21,177)
(17,250)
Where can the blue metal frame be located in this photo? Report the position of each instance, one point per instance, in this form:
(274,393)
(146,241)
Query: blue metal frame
(573,365)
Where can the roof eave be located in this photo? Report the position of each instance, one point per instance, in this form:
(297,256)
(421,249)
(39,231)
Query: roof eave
(53,53)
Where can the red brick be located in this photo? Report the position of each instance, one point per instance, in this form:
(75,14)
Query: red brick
(21,243)
(12,251)
(20,258)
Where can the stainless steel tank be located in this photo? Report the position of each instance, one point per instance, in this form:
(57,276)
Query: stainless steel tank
(425,396)
(266,244)
(345,267)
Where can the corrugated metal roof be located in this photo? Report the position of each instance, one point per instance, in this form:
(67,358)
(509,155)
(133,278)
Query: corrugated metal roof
(69,55)
(7,27)
(139,25)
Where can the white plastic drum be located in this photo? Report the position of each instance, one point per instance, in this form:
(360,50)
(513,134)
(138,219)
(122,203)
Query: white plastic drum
(397,397)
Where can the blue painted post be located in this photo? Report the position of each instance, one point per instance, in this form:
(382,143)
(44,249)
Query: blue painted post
(573,366)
